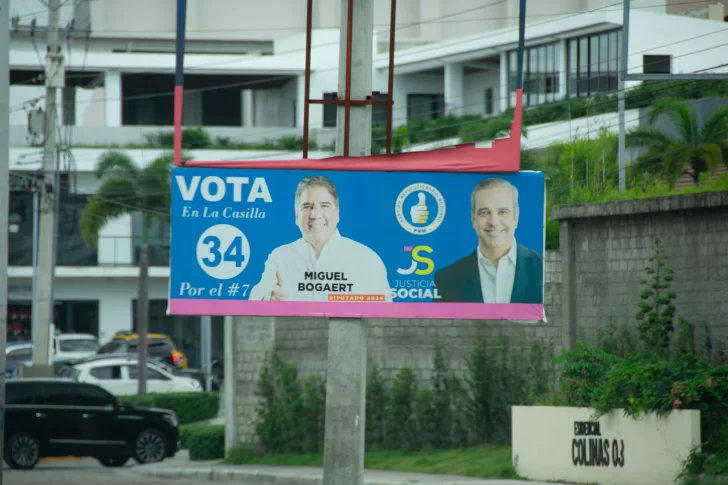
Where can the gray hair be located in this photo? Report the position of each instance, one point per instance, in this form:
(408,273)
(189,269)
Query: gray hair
(493,183)
(316,181)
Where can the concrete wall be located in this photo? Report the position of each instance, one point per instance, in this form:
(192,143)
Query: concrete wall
(591,280)
(555,444)
(392,344)
(605,247)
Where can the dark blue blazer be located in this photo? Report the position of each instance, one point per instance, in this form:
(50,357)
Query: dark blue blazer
(460,282)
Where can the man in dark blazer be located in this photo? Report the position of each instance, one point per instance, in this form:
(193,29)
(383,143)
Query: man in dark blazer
(500,270)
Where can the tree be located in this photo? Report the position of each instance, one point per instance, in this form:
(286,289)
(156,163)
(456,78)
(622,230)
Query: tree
(128,189)
(656,307)
(694,150)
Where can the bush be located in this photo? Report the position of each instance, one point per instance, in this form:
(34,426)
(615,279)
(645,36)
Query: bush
(205,442)
(190,407)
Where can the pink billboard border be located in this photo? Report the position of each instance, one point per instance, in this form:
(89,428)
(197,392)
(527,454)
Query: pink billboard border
(446,311)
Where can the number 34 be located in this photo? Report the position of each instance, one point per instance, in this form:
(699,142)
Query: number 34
(232,254)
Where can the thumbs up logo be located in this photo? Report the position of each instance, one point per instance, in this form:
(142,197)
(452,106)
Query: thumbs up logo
(419,212)
(420,208)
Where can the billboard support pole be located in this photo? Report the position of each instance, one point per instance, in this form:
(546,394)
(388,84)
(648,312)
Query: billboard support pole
(4,202)
(347,342)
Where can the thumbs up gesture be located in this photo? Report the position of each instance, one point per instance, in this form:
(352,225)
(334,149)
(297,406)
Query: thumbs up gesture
(278,293)
(419,212)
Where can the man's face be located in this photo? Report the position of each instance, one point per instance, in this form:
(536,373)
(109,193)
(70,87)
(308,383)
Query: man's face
(317,215)
(494,218)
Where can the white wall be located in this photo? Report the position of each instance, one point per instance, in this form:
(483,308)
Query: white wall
(114,295)
(474,90)
(547,447)
(18,96)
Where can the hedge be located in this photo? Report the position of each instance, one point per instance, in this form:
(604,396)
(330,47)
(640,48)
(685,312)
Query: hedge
(205,442)
(190,407)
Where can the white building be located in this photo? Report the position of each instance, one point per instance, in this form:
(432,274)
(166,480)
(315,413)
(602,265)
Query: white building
(244,80)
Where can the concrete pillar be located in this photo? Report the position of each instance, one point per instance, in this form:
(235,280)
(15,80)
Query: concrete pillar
(300,100)
(568,285)
(563,70)
(229,388)
(248,108)
(113,103)
(248,340)
(454,89)
(503,81)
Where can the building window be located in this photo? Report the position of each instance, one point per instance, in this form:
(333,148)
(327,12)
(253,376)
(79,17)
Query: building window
(329,112)
(593,63)
(158,239)
(656,64)
(489,101)
(379,111)
(425,106)
(69,106)
(540,74)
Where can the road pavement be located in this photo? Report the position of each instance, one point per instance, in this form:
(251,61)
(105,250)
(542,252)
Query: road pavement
(88,471)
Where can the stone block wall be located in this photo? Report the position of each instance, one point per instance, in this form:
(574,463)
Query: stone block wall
(391,344)
(610,244)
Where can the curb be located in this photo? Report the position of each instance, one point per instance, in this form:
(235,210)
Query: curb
(248,477)
(60,459)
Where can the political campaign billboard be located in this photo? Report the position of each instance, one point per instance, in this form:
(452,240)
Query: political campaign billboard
(275,242)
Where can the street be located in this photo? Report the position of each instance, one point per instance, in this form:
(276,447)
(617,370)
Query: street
(86,471)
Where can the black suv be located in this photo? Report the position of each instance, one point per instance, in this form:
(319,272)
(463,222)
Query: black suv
(61,417)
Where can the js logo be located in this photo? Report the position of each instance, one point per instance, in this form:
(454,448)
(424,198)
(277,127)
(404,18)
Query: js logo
(416,259)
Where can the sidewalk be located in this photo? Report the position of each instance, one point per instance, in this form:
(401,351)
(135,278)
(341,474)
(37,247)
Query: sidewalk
(181,468)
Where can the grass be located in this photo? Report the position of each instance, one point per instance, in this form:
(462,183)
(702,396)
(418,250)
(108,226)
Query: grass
(484,461)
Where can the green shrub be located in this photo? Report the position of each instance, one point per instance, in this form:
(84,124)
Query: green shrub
(206,442)
(190,407)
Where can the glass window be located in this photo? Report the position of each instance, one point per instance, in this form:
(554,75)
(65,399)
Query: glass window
(603,63)
(614,54)
(489,101)
(329,112)
(93,396)
(597,57)
(573,67)
(19,355)
(106,372)
(78,345)
(594,64)
(152,374)
(57,395)
(20,394)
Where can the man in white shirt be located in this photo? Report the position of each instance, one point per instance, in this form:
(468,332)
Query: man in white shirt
(500,270)
(322,265)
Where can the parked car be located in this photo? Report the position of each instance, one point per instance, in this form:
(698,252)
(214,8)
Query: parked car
(60,417)
(160,347)
(118,375)
(19,352)
(71,346)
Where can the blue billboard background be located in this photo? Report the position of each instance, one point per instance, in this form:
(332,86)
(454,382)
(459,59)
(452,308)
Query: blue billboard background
(368,214)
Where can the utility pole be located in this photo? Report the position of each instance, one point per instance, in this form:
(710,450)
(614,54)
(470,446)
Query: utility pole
(43,310)
(622,151)
(4,204)
(347,355)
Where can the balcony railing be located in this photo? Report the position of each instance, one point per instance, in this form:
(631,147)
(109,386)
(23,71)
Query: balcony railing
(112,251)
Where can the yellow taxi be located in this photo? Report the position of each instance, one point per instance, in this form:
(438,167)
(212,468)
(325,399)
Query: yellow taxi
(161,346)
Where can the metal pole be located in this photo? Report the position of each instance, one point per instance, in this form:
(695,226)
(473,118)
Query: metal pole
(206,349)
(622,151)
(34,304)
(307,78)
(43,311)
(347,345)
(390,74)
(4,203)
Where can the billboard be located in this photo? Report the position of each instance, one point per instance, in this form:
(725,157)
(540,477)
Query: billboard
(276,242)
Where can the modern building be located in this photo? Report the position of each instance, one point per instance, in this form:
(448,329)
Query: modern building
(244,83)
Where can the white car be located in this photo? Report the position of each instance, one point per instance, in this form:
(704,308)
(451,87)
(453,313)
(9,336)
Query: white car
(71,346)
(118,375)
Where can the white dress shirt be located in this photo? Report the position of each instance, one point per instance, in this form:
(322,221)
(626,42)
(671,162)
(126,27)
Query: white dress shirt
(497,285)
(362,268)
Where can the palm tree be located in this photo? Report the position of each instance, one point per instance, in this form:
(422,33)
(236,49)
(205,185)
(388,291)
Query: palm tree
(128,189)
(694,150)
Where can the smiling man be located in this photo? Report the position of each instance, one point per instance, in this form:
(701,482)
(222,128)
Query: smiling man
(500,270)
(322,265)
